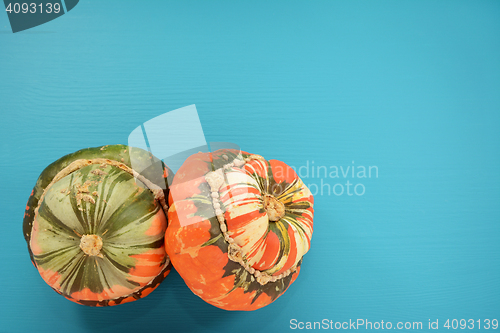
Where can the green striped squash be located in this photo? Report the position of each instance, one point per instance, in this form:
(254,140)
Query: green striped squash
(95,228)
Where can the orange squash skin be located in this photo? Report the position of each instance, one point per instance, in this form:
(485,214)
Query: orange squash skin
(196,245)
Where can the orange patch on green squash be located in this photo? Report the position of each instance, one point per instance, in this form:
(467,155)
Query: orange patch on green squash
(50,277)
(158,224)
(114,292)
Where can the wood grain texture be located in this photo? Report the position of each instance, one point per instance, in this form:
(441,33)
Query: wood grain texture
(409,88)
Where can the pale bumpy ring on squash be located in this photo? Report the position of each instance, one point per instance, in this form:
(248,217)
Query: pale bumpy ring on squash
(88,243)
(78,164)
(215,180)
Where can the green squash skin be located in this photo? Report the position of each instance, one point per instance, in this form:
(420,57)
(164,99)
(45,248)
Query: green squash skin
(119,153)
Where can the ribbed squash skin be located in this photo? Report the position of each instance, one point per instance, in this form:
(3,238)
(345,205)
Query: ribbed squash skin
(122,212)
(196,244)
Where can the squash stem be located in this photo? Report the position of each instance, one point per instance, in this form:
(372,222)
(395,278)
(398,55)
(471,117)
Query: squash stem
(274,208)
(91,245)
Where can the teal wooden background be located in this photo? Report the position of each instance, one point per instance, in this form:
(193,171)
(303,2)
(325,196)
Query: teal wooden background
(410,87)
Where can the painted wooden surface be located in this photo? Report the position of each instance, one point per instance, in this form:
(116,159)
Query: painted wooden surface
(411,88)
